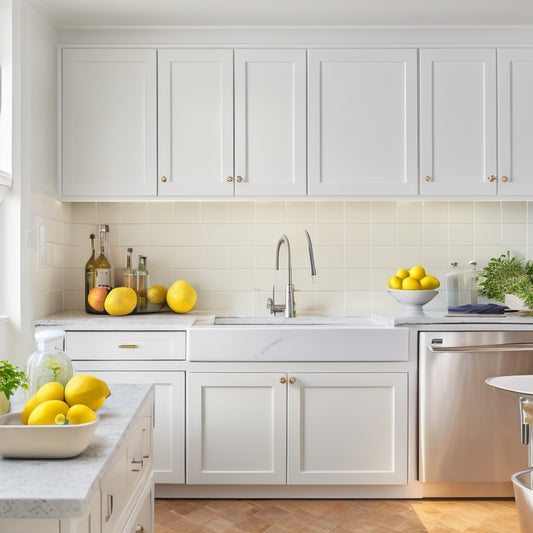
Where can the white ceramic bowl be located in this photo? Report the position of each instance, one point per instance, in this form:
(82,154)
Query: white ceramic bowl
(43,442)
(413,299)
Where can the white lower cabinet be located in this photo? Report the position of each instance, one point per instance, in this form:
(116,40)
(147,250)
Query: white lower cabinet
(169,420)
(297,428)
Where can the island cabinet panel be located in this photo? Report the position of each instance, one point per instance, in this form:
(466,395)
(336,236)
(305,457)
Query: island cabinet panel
(109,117)
(458,122)
(362,125)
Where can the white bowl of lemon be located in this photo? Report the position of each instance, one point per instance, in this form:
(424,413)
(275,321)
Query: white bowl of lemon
(413,288)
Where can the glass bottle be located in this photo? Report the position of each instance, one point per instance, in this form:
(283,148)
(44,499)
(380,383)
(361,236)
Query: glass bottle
(90,274)
(128,273)
(471,282)
(142,284)
(48,362)
(103,266)
(452,285)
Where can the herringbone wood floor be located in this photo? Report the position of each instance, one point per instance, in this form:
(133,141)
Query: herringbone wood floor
(335,516)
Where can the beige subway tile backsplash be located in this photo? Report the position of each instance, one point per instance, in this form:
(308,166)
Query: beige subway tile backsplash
(226,249)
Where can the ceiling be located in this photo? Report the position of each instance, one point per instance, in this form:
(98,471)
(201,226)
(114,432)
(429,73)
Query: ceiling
(286,12)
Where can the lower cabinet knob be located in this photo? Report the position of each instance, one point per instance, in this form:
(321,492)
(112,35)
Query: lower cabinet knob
(164,179)
(229,179)
(504,178)
(428,178)
(491,178)
(292,380)
(282,380)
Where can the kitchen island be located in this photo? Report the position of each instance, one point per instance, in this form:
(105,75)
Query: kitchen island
(102,489)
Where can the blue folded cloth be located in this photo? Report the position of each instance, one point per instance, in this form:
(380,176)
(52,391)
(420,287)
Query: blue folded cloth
(478,309)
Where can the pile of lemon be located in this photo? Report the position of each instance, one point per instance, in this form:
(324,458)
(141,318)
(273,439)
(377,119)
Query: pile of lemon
(414,279)
(75,403)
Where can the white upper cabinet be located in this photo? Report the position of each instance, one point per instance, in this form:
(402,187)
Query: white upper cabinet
(195,99)
(515,122)
(226,129)
(458,122)
(362,130)
(270,122)
(109,123)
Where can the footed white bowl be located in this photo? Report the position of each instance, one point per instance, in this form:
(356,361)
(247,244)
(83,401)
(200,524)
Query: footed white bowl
(413,300)
(43,442)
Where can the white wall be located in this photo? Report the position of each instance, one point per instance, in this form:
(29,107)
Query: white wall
(226,249)
(6,66)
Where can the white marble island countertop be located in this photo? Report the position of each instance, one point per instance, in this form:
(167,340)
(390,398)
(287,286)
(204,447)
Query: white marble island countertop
(60,488)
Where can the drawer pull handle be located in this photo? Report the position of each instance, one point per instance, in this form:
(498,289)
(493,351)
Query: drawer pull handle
(137,466)
(109,507)
(128,345)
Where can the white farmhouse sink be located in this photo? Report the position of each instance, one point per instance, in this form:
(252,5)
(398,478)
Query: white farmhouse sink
(298,321)
(297,339)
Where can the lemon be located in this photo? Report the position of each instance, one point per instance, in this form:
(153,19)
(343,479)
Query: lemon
(402,273)
(80,414)
(429,283)
(120,301)
(410,284)
(45,413)
(417,272)
(52,390)
(181,297)
(87,390)
(29,406)
(156,294)
(394,282)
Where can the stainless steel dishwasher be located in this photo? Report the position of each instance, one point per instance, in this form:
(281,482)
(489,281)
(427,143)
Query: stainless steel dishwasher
(468,431)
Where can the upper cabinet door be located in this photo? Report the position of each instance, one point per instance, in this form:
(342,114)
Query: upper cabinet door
(362,122)
(515,121)
(109,123)
(195,89)
(458,122)
(270,122)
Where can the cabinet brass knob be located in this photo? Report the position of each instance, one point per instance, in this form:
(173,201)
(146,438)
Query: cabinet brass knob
(229,179)
(164,179)
(504,178)
(282,380)
(139,529)
(492,178)
(239,179)
(292,380)
(428,178)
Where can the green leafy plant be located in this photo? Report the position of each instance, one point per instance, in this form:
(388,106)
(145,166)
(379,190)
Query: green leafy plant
(507,275)
(11,378)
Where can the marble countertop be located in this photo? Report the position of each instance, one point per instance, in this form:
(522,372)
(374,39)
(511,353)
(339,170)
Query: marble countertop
(60,488)
(79,320)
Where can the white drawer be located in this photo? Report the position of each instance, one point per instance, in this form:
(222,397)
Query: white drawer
(125,345)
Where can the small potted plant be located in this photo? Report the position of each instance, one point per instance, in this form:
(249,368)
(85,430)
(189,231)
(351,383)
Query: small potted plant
(11,378)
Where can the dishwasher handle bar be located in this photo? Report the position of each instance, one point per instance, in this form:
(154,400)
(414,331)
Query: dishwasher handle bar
(505,347)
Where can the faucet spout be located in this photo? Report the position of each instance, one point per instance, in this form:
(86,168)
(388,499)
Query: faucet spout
(285,239)
(311,254)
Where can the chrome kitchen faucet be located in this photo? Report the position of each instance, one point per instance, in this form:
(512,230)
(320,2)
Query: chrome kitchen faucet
(289,307)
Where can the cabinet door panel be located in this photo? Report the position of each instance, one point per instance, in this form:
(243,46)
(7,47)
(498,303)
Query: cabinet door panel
(195,89)
(236,428)
(348,429)
(169,419)
(515,121)
(109,122)
(270,122)
(457,121)
(362,122)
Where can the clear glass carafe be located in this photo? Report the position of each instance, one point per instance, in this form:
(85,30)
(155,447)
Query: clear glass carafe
(48,363)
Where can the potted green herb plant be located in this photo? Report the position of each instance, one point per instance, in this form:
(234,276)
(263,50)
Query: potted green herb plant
(11,378)
(506,275)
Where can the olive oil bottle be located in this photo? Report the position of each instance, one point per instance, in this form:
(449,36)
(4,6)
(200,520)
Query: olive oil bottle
(90,274)
(103,266)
